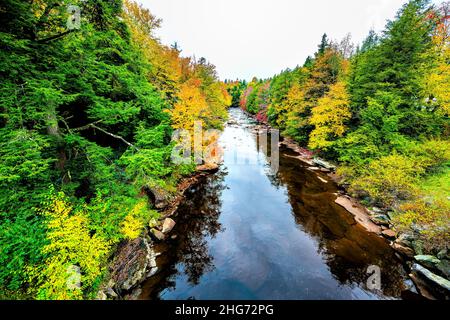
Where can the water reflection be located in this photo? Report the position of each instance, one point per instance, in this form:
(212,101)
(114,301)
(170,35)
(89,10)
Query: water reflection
(348,248)
(250,233)
(197,221)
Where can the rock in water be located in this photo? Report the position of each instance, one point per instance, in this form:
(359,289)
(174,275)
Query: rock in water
(208,168)
(441,286)
(168,225)
(324,164)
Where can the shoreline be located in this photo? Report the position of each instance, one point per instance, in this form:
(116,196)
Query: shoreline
(134,261)
(427,284)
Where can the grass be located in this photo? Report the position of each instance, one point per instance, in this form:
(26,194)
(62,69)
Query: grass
(437,186)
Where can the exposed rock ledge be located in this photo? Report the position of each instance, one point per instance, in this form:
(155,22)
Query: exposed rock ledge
(135,260)
(360,213)
(429,284)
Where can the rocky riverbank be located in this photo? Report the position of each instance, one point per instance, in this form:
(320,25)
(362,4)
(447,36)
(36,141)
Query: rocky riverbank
(134,261)
(429,274)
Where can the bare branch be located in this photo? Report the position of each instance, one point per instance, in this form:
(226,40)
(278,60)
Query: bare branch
(93,126)
(56,36)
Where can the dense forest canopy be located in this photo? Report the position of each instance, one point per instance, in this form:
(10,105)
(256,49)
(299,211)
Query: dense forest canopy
(89,99)
(380,109)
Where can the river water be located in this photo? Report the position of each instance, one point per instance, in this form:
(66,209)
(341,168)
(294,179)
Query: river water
(248,232)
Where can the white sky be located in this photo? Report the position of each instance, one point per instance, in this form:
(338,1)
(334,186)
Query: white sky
(246,38)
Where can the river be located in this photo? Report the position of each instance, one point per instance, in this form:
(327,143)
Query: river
(248,232)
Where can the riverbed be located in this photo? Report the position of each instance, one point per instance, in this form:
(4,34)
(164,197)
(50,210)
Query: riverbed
(254,232)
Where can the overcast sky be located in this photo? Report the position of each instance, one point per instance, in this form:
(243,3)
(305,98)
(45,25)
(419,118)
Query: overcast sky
(246,38)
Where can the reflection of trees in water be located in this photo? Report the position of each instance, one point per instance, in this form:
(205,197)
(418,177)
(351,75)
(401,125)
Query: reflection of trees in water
(197,221)
(347,248)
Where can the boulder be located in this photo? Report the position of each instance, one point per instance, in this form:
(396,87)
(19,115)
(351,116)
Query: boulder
(427,261)
(168,225)
(153,223)
(441,267)
(377,210)
(409,285)
(322,179)
(405,239)
(324,164)
(380,219)
(440,286)
(111,293)
(208,168)
(152,272)
(152,259)
(390,234)
(421,286)
(129,267)
(159,197)
(101,296)
(158,234)
(406,251)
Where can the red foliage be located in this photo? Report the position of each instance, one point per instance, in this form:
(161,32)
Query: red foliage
(243,102)
(262,117)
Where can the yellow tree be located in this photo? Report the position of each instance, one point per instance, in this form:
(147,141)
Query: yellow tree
(329,117)
(72,245)
(292,118)
(190,107)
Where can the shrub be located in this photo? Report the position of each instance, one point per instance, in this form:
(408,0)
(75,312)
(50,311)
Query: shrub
(70,245)
(429,220)
(389,179)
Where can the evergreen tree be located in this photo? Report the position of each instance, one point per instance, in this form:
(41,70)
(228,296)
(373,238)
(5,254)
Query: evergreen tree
(324,44)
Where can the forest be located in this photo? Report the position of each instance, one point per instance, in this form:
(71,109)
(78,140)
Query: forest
(380,110)
(86,117)
(90,98)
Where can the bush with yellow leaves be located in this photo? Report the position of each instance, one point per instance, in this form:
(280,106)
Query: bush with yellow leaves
(71,247)
(430,220)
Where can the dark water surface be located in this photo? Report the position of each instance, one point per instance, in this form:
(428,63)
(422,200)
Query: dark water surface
(249,233)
